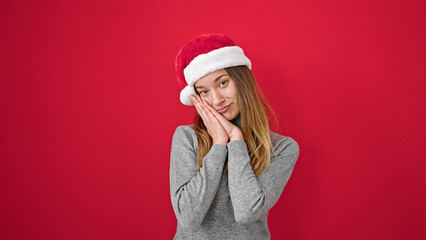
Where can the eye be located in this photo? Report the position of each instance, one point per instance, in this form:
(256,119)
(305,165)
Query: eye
(201,93)
(224,82)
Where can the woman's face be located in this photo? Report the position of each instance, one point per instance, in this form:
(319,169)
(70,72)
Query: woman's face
(219,90)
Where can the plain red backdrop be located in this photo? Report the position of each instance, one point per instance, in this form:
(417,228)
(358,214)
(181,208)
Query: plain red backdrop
(90,101)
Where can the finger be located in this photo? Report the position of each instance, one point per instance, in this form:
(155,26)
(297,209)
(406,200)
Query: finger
(200,103)
(203,103)
(193,97)
(226,124)
(196,104)
(219,116)
(199,108)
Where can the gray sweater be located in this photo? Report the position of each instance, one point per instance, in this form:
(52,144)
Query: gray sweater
(240,209)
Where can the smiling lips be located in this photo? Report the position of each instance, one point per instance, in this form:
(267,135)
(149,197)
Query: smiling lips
(223,109)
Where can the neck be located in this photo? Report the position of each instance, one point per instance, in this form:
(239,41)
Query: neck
(237,120)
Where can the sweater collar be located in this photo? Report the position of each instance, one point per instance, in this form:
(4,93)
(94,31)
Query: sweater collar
(237,120)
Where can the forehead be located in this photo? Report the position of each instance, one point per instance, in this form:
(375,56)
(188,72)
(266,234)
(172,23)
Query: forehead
(209,78)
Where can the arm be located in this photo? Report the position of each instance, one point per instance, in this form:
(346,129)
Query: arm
(253,197)
(192,191)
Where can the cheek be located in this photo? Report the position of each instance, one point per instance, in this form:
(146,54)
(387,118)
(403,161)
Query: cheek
(231,93)
(234,95)
(207,100)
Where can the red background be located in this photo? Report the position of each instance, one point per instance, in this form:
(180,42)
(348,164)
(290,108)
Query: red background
(90,101)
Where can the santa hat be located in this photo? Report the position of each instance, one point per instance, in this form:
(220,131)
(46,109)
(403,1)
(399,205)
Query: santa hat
(202,55)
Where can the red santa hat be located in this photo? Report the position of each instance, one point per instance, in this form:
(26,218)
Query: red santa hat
(202,55)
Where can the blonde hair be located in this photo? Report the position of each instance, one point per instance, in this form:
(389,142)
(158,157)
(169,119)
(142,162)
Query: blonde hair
(255,116)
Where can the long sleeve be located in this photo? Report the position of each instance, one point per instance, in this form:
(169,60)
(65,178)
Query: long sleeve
(192,191)
(253,197)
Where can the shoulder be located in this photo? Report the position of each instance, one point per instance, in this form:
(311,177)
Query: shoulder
(185,134)
(184,129)
(283,145)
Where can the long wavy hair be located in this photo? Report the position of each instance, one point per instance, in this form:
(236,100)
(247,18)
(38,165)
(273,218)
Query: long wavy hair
(255,112)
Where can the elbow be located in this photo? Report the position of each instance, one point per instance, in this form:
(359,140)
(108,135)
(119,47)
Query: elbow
(244,218)
(189,223)
(187,217)
(250,213)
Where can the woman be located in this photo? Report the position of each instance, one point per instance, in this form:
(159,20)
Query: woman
(227,169)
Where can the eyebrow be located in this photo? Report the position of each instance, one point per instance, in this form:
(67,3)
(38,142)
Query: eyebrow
(214,80)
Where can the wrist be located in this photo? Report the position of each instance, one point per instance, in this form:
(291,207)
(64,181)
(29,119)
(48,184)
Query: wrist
(220,143)
(237,138)
(236,135)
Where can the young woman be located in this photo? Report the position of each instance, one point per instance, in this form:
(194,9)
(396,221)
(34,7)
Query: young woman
(227,170)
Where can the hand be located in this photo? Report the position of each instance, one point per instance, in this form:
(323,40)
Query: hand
(233,131)
(214,128)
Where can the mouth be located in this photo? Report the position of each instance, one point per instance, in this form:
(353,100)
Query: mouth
(222,110)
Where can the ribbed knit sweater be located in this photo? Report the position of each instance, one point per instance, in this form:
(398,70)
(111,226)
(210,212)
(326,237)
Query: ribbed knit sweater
(240,209)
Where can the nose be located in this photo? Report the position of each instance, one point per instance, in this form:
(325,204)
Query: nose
(218,98)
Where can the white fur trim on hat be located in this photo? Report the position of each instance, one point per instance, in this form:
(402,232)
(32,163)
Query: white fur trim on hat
(185,93)
(206,63)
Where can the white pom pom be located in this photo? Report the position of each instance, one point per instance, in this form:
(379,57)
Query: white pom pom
(185,93)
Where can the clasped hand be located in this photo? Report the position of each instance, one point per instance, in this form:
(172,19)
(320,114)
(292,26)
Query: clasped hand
(219,128)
